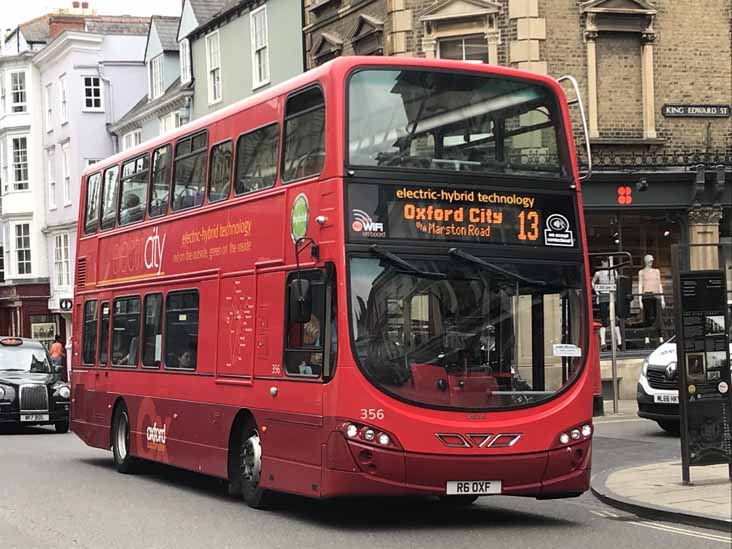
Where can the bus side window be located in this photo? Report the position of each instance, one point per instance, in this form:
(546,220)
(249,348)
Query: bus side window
(181,330)
(189,172)
(304,143)
(256,159)
(109,197)
(219,175)
(91,220)
(104,335)
(305,340)
(89,341)
(133,190)
(160,182)
(126,331)
(152,331)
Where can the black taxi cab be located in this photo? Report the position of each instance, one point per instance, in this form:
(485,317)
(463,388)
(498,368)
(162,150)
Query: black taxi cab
(32,391)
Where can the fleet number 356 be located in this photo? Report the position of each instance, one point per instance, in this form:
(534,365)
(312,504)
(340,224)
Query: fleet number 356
(372,413)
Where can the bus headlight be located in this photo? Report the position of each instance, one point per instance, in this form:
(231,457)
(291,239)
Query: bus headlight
(384,439)
(351,430)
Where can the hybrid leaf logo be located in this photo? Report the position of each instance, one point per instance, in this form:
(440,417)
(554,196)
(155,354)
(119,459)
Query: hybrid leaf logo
(362,223)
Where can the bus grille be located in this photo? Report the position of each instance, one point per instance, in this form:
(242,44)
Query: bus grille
(33,398)
(658,380)
(81,271)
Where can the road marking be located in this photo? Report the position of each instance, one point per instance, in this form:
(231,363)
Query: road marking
(674,530)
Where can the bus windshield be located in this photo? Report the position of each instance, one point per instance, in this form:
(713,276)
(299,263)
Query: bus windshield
(453,121)
(467,334)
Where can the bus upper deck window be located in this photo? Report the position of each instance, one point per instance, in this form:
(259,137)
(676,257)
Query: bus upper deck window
(256,159)
(304,144)
(133,190)
(219,177)
(160,182)
(189,172)
(109,197)
(92,203)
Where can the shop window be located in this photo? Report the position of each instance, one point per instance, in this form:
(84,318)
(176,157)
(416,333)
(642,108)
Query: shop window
(181,330)
(189,172)
(304,141)
(133,190)
(219,177)
(126,331)
(89,336)
(256,159)
(160,182)
(152,331)
(104,335)
(640,234)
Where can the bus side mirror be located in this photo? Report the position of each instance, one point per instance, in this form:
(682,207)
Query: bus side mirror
(301,300)
(623,297)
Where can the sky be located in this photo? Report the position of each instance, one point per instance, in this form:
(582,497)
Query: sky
(14,12)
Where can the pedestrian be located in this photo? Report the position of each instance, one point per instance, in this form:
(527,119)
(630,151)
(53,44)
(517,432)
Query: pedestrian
(57,351)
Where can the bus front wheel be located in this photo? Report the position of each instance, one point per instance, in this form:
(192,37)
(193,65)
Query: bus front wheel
(250,471)
(121,440)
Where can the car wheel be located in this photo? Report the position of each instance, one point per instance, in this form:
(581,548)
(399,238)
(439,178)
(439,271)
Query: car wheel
(121,440)
(250,470)
(62,426)
(458,501)
(672,427)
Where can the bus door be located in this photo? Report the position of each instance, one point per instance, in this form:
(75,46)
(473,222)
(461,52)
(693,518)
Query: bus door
(101,373)
(237,308)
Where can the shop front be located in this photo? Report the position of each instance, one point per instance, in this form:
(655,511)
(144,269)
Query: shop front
(644,214)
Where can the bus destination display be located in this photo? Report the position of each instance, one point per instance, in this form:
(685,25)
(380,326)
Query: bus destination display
(448,213)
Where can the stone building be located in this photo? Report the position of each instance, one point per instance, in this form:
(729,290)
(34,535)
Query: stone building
(657,88)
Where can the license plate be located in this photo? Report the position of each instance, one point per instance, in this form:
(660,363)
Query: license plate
(666,399)
(473,487)
(34,417)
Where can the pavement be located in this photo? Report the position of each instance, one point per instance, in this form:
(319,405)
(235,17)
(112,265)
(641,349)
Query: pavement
(655,490)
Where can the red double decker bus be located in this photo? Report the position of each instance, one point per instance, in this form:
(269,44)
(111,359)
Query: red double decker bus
(369,280)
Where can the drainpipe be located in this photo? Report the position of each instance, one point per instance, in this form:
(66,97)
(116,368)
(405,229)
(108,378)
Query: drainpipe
(109,113)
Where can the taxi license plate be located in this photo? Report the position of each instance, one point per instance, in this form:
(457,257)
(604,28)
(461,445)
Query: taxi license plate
(34,417)
(666,399)
(473,487)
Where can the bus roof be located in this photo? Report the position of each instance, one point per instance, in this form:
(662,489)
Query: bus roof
(339,66)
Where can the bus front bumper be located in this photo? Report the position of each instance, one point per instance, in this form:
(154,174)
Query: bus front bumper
(357,469)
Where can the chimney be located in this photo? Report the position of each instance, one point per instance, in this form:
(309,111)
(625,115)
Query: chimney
(62,22)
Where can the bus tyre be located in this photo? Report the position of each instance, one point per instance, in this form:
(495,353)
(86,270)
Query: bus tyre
(458,501)
(250,471)
(121,440)
(62,426)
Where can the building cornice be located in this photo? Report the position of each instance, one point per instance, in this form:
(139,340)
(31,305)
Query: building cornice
(66,41)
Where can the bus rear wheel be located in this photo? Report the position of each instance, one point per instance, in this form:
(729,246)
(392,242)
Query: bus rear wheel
(250,471)
(121,440)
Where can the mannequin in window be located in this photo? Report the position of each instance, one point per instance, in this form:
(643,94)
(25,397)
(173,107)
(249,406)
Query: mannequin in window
(605,276)
(651,298)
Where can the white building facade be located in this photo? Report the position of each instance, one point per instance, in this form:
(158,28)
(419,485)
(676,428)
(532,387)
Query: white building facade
(87,80)
(23,261)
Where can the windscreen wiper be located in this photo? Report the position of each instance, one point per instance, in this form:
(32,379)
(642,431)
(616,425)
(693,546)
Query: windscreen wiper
(465,256)
(405,265)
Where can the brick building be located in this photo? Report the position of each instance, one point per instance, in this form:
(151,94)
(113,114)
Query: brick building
(657,88)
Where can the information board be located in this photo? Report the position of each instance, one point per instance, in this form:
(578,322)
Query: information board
(704,369)
(379,212)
